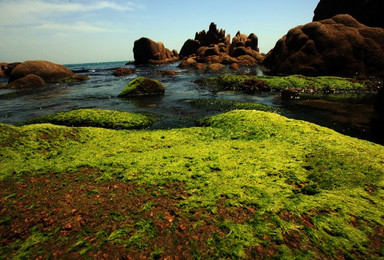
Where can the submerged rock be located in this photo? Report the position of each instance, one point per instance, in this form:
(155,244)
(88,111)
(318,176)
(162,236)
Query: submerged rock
(147,51)
(143,87)
(337,46)
(123,72)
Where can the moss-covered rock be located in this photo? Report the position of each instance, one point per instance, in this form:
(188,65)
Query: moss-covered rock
(277,83)
(142,86)
(245,184)
(98,118)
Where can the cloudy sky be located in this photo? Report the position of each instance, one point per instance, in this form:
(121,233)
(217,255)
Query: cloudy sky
(79,31)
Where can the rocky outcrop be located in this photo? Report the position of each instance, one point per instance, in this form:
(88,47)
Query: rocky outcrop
(146,51)
(216,47)
(142,87)
(48,71)
(3,67)
(30,74)
(368,12)
(337,46)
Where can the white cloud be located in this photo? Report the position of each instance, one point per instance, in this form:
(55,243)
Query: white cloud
(75,27)
(22,12)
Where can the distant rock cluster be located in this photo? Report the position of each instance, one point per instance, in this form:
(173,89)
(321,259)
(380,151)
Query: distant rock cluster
(147,51)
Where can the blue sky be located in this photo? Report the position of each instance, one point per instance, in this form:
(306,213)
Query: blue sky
(79,31)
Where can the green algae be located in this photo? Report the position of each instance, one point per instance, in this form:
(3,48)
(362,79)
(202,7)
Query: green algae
(99,118)
(278,83)
(227,105)
(264,185)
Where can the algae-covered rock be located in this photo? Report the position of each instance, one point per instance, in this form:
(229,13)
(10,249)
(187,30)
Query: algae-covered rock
(143,87)
(98,118)
(277,83)
(242,185)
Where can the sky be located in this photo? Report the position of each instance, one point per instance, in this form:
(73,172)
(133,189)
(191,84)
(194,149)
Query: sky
(81,31)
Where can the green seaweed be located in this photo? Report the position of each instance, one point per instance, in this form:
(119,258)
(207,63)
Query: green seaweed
(278,83)
(243,184)
(98,118)
(142,86)
(227,105)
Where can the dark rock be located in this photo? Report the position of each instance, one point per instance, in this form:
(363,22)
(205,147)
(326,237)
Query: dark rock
(143,87)
(8,69)
(123,72)
(290,93)
(146,51)
(190,47)
(48,71)
(368,12)
(253,85)
(29,81)
(337,46)
(379,104)
(3,67)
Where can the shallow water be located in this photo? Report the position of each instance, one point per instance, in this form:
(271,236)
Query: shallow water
(350,114)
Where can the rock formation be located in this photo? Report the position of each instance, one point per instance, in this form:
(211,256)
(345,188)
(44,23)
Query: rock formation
(146,51)
(368,12)
(36,73)
(216,47)
(123,72)
(337,46)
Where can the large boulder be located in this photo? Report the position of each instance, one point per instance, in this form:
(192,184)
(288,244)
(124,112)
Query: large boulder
(48,71)
(147,51)
(368,12)
(216,47)
(142,87)
(337,46)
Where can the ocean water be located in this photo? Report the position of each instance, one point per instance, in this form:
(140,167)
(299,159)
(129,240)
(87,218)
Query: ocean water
(350,114)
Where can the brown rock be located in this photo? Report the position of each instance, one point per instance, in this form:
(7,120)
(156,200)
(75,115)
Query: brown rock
(216,67)
(3,67)
(123,72)
(289,93)
(146,51)
(368,12)
(190,47)
(235,66)
(337,46)
(48,71)
(29,81)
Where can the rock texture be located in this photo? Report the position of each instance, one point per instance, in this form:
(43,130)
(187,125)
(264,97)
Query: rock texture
(337,46)
(368,12)
(142,87)
(147,51)
(215,47)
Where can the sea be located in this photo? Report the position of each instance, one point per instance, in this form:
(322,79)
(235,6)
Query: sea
(348,113)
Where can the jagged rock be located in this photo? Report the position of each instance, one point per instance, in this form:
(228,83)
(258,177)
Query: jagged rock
(215,47)
(337,46)
(146,51)
(368,12)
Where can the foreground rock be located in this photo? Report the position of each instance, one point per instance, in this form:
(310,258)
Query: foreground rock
(216,47)
(143,87)
(337,46)
(31,74)
(146,51)
(368,12)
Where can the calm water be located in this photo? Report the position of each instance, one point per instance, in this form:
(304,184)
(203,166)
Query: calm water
(350,114)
